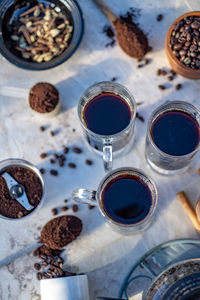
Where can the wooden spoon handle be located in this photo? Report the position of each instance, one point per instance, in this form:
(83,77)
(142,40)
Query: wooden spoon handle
(182,197)
(105,10)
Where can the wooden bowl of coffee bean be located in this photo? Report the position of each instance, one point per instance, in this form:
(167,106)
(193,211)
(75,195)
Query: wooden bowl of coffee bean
(182,45)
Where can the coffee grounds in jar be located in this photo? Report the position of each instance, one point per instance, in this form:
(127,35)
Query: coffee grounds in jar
(185,41)
(43,97)
(59,232)
(130,37)
(11,208)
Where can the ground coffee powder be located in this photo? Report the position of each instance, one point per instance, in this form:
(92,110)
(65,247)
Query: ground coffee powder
(43,97)
(59,232)
(130,37)
(10,207)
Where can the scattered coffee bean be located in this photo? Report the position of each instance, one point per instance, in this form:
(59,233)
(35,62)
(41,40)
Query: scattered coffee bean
(52,161)
(75,208)
(139,117)
(43,256)
(88,162)
(139,103)
(159,17)
(114,79)
(72,165)
(64,208)
(178,86)
(52,133)
(36,252)
(140,66)
(161,72)
(62,157)
(54,211)
(170,78)
(56,155)
(173,72)
(43,155)
(42,128)
(161,87)
(61,162)
(43,264)
(66,200)
(66,150)
(73,129)
(91,206)
(37,266)
(42,170)
(54,172)
(77,150)
(39,275)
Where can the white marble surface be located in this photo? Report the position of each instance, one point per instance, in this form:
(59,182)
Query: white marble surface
(105,256)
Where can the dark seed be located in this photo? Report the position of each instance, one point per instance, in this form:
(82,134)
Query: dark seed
(91,206)
(43,155)
(77,150)
(66,150)
(88,162)
(64,208)
(42,128)
(42,170)
(37,266)
(178,86)
(72,165)
(54,172)
(54,211)
(75,208)
(39,276)
(159,17)
(161,87)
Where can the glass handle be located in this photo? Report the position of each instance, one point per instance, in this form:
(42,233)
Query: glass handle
(107,156)
(85,196)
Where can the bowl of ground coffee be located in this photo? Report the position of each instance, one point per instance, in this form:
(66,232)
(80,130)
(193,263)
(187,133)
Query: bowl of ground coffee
(21,189)
(183,45)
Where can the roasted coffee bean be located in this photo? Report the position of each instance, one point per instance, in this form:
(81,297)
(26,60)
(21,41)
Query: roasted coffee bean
(54,172)
(187,44)
(44,264)
(37,266)
(52,133)
(91,206)
(187,61)
(88,162)
(183,53)
(114,79)
(77,150)
(193,48)
(170,78)
(64,208)
(139,117)
(43,155)
(177,46)
(66,150)
(195,25)
(43,257)
(39,275)
(42,170)
(62,157)
(72,165)
(56,155)
(173,72)
(161,87)
(54,211)
(75,208)
(20,214)
(61,162)
(36,252)
(66,200)
(159,17)
(42,128)
(52,161)
(178,86)
(60,260)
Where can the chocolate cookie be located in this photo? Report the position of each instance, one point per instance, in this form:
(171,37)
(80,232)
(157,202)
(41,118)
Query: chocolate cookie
(59,232)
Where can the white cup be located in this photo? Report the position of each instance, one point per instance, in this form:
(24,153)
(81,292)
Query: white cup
(65,288)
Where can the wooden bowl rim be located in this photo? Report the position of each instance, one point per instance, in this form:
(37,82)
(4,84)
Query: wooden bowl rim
(170,53)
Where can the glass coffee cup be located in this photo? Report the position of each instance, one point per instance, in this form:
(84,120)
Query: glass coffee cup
(107,114)
(173,137)
(126,198)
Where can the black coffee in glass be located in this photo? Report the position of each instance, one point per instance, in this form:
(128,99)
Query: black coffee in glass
(175,132)
(107,114)
(127,199)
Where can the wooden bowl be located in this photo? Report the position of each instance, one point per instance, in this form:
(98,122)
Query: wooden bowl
(175,63)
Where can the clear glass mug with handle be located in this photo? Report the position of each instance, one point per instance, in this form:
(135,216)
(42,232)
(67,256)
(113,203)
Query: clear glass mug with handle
(85,196)
(107,145)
